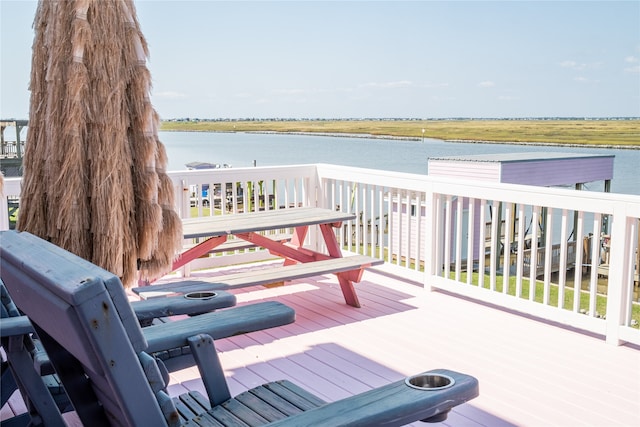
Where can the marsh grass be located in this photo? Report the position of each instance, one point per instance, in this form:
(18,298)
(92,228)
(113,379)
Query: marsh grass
(578,132)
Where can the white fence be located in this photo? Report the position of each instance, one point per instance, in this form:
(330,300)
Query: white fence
(467,237)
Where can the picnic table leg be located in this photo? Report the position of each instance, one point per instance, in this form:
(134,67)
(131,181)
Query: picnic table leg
(348,290)
(189,255)
(197,251)
(297,240)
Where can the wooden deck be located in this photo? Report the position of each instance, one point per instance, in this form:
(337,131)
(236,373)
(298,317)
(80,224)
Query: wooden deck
(531,373)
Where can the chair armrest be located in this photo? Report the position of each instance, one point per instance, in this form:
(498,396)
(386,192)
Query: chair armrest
(153,308)
(219,324)
(12,326)
(395,404)
(145,310)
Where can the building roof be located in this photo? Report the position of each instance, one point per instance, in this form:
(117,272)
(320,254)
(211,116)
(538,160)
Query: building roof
(537,168)
(519,157)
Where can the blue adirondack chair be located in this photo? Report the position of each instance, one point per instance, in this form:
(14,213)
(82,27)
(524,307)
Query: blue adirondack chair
(88,328)
(28,367)
(42,393)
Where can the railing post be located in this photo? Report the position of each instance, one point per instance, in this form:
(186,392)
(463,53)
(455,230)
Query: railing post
(9,188)
(183,198)
(619,267)
(4,209)
(431,243)
(315,196)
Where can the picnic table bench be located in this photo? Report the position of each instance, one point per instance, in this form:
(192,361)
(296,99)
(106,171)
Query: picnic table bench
(351,266)
(299,261)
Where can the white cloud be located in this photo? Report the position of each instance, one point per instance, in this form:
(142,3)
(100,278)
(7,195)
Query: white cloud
(486,84)
(635,69)
(573,65)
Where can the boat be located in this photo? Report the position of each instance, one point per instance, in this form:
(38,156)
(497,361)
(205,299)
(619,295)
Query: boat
(206,165)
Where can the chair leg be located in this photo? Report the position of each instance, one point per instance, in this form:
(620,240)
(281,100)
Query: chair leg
(36,395)
(88,407)
(7,384)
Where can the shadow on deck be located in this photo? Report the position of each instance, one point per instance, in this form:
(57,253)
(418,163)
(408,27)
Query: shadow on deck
(531,372)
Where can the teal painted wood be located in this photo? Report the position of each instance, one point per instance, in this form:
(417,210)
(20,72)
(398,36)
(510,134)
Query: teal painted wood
(66,276)
(87,338)
(395,404)
(20,327)
(211,372)
(12,326)
(219,324)
(21,372)
(150,309)
(283,403)
(83,317)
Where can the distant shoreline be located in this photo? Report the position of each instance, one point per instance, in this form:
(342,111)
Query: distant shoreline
(411,138)
(548,144)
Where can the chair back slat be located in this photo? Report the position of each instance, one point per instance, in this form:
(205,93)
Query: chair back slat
(51,264)
(87,327)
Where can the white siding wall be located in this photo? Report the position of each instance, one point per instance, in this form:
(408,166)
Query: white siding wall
(557,172)
(484,171)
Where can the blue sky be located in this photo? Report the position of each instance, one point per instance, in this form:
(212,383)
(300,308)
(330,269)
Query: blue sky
(338,59)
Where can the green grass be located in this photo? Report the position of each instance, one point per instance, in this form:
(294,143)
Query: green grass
(554,290)
(13,219)
(554,294)
(206,211)
(580,132)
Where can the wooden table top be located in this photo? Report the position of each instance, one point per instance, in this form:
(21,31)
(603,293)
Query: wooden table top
(220,225)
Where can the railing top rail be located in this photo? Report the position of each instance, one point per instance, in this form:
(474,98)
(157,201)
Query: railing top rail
(244,173)
(12,186)
(409,181)
(554,197)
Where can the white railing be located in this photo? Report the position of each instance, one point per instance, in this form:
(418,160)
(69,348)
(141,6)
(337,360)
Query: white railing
(237,190)
(9,197)
(559,217)
(436,225)
(430,230)
(11,149)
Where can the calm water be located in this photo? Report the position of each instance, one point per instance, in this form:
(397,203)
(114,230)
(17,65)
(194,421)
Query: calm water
(241,149)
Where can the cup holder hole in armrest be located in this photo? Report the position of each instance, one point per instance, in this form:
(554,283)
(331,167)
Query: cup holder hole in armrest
(202,295)
(430,381)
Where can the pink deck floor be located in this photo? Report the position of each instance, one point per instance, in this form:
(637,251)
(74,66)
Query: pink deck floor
(531,373)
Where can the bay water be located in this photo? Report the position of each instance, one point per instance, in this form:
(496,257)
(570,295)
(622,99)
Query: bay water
(411,156)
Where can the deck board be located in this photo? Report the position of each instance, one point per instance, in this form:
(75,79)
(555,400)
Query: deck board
(531,373)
